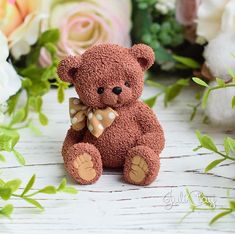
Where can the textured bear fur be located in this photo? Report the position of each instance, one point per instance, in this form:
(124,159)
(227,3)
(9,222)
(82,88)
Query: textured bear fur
(135,139)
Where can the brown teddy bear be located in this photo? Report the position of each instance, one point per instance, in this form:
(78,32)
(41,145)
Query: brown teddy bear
(110,126)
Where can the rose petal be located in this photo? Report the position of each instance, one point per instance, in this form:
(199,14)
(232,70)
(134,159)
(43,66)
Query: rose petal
(209,18)
(9,82)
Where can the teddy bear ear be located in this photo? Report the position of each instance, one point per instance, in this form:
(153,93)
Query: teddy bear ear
(68,68)
(144,55)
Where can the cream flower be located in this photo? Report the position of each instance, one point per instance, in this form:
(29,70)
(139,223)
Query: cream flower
(214,17)
(88,22)
(20,22)
(164,6)
(9,80)
(219,107)
(219,55)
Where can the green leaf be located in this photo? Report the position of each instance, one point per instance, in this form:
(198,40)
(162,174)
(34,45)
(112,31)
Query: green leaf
(206,142)
(232,205)
(194,111)
(51,48)
(197,148)
(12,102)
(226,146)
(141,23)
(60,94)
(188,62)
(33,74)
(174,90)
(155,84)
(214,164)
(29,185)
(231,143)
(13,184)
(205,98)
(48,190)
(2,158)
(5,193)
(39,87)
(38,104)
(151,101)
(7,210)
(26,83)
(1,183)
(233,102)
(220,215)
(35,129)
(33,202)
(8,139)
(70,190)
(190,199)
(43,119)
(206,201)
(49,36)
(220,82)
(62,185)
(18,117)
(200,82)
(232,74)
(19,157)
(163,55)
(48,74)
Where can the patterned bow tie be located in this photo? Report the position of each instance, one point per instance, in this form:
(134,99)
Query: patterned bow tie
(96,120)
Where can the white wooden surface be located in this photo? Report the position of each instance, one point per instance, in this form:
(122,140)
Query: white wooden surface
(110,205)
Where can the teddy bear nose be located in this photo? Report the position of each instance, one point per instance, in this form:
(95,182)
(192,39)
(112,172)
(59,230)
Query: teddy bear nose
(117,90)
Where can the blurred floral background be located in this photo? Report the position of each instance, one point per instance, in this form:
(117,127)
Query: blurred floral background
(192,39)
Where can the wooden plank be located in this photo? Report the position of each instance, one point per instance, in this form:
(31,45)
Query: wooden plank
(110,205)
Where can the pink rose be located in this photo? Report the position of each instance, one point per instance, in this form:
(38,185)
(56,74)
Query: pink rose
(85,23)
(186,11)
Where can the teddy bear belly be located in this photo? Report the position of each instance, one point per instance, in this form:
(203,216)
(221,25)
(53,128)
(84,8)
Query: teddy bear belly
(115,142)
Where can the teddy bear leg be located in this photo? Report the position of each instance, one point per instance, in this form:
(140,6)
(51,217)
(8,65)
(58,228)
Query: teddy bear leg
(83,163)
(141,165)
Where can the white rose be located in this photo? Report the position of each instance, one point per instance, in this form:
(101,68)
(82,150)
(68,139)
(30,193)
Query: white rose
(214,17)
(9,80)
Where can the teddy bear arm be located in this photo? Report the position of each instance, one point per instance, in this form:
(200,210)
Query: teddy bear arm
(153,135)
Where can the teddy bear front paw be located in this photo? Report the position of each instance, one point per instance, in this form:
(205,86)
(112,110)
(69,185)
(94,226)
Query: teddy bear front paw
(83,163)
(139,169)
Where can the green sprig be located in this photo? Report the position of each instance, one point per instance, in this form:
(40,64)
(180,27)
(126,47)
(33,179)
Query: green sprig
(160,31)
(227,154)
(170,92)
(209,206)
(8,189)
(220,85)
(36,82)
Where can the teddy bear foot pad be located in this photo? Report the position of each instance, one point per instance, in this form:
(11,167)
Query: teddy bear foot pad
(83,163)
(139,169)
(141,166)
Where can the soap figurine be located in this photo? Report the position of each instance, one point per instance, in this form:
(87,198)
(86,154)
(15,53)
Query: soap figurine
(110,127)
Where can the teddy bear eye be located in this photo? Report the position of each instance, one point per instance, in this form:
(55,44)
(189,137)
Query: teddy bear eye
(100,90)
(127,84)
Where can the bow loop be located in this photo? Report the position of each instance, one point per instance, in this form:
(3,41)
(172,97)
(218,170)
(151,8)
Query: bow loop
(96,120)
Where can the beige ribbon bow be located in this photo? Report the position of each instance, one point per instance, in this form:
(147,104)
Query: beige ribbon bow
(96,120)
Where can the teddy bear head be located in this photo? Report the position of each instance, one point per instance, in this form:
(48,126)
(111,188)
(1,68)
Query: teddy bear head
(108,75)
